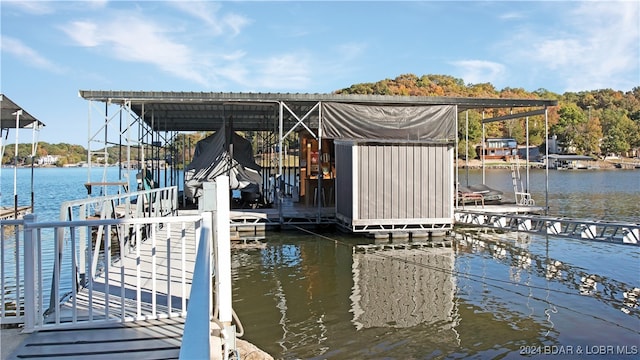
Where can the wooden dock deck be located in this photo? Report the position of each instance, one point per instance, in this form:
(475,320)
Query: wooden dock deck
(11,212)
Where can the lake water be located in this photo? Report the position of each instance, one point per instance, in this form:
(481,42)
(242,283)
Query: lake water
(489,295)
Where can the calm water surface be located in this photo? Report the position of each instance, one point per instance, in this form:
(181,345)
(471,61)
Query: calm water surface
(490,295)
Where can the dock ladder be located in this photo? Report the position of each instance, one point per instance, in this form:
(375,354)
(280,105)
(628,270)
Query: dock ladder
(522,197)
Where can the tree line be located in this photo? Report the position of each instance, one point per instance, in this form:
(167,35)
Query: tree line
(68,154)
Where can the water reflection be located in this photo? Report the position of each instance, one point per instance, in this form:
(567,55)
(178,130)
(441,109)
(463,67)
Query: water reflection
(486,296)
(403,288)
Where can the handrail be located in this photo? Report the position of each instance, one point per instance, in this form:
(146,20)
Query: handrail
(214,257)
(125,291)
(121,300)
(584,229)
(160,200)
(197,327)
(152,202)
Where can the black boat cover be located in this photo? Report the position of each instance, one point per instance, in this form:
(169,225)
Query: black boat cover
(214,157)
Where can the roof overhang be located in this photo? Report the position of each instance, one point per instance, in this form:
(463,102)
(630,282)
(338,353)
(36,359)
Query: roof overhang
(11,112)
(204,111)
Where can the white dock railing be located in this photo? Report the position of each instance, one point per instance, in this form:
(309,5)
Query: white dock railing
(148,281)
(138,204)
(584,229)
(11,272)
(210,317)
(151,278)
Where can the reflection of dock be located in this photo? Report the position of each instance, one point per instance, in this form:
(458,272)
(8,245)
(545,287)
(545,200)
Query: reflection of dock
(403,287)
(7,213)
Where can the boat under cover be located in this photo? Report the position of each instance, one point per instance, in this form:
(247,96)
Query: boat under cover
(223,153)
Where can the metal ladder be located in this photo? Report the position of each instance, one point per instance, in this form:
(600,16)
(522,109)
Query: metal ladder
(522,197)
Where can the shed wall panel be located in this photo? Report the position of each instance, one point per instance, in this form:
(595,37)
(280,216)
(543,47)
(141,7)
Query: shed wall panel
(399,181)
(344,180)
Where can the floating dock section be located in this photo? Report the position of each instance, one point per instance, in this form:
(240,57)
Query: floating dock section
(615,232)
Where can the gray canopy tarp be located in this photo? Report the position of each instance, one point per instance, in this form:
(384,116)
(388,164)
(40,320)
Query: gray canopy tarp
(212,159)
(378,122)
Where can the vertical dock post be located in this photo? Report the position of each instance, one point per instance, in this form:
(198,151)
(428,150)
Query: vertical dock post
(30,309)
(216,199)
(222,246)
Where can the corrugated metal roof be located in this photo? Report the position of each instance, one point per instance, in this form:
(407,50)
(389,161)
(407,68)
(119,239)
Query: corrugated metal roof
(201,111)
(8,116)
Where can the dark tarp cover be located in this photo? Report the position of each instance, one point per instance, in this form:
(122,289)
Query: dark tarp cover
(377,122)
(212,159)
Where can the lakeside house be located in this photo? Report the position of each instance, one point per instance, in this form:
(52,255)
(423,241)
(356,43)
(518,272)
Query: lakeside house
(48,160)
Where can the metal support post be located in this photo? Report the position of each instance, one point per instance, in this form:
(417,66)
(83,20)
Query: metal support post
(222,267)
(30,308)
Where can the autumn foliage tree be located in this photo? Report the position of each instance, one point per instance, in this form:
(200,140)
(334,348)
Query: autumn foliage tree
(613,128)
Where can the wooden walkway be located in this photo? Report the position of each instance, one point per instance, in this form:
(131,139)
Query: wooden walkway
(10,212)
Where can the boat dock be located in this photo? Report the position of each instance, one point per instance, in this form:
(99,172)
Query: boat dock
(11,212)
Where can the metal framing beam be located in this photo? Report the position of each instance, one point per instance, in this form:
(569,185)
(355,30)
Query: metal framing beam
(515,116)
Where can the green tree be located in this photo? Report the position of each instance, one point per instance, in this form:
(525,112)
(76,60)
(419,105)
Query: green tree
(462,150)
(589,136)
(570,122)
(621,134)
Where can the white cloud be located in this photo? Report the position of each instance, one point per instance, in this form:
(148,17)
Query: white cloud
(479,71)
(129,38)
(286,71)
(511,16)
(97,4)
(135,37)
(186,53)
(21,51)
(31,7)
(208,12)
(596,46)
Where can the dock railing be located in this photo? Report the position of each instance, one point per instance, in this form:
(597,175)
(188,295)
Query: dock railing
(140,204)
(209,321)
(11,272)
(145,283)
(584,229)
(150,279)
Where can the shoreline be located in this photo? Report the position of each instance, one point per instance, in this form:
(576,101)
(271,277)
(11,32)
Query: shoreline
(627,163)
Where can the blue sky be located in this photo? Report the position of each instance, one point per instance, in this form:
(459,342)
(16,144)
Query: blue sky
(52,49)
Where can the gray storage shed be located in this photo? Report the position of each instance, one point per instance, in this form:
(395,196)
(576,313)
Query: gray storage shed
(395,166)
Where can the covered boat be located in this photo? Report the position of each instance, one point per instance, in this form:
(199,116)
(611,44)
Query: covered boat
(223,153)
